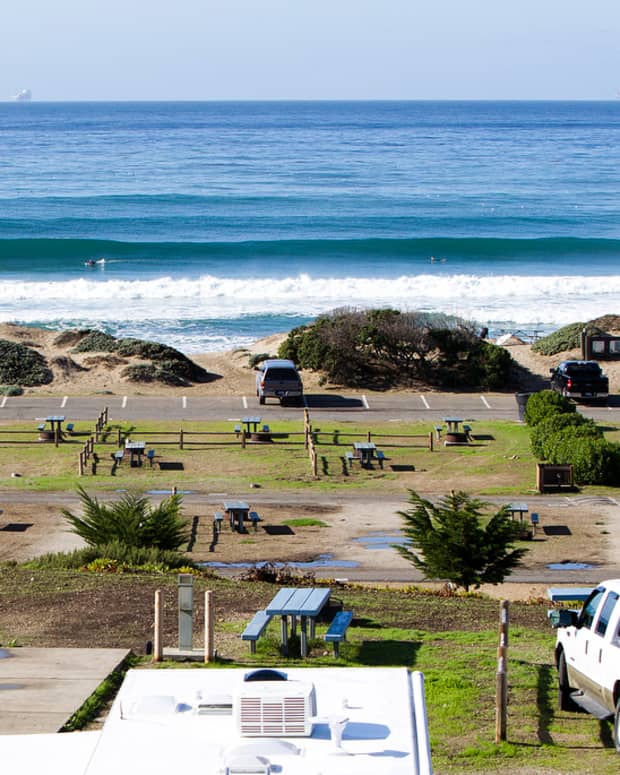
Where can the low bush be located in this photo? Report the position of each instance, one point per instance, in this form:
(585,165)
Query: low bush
(543,434)
(594,459)
(149,372)
(566,338)
(20,365)
(11,390)
(257,358)
(113,557)
(96,341)
(545,403)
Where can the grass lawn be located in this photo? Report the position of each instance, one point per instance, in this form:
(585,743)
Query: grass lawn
(499,462)
(451,639)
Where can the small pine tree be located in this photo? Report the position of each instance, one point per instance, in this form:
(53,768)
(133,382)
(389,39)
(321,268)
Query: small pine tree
(450,540)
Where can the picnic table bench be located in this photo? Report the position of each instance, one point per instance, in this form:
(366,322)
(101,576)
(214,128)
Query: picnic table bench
(337,631)
(255,629)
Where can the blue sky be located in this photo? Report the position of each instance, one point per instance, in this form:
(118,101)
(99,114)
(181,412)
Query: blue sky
(310,49)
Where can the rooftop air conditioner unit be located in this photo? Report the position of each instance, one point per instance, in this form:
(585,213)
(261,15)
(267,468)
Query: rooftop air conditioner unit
(275,709)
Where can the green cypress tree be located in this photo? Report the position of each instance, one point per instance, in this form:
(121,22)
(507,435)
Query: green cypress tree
(453,540)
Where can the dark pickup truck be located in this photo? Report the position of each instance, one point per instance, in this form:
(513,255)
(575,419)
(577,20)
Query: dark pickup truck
(581,380)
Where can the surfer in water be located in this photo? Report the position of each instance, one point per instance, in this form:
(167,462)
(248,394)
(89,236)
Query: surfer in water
(90,262)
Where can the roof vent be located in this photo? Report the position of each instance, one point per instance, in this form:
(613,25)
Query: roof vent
(276,709)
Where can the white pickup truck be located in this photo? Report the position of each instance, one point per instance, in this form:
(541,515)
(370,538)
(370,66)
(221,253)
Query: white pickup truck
(587,654)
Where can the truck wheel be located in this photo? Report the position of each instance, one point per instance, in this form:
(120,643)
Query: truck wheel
(565,701)
(617,727)
(261,400)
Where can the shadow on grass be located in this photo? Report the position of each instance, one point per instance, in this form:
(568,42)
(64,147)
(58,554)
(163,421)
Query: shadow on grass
(544,681)
(387,652)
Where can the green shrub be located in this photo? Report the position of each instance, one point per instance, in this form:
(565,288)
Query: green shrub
(11,390)
(20,365)
(545,403)
(566,338)
(595,460)
(543,434)
(149,372)
(131,520)
(96,341)
(257,358)
(385,348)
(115,556)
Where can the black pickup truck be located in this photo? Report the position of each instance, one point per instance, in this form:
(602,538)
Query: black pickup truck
(581,380)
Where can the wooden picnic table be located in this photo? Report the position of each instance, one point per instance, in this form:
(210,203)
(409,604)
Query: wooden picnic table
(305,603)
(237,512)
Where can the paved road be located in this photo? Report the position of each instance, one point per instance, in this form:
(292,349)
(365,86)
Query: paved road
(405,407)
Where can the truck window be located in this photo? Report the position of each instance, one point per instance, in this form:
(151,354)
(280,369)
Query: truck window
(586,617)
(606,612)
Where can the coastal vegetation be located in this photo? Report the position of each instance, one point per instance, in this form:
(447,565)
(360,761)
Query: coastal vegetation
(561,435)
(453,539)
(384,348)
(131,520)
(22,365)
(569,337)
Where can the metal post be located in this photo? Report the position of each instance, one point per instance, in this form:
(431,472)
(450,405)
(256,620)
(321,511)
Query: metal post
(186,601)
(158,651)
(209,629)
(284,636)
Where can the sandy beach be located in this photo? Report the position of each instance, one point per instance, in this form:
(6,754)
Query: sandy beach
(92,373)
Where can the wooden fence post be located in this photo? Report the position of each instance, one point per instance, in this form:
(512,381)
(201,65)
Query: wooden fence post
(158,651)
(81,464)
(430,441)
(243,432)
(501,686)
(209,631)
(119,438)
(181,438)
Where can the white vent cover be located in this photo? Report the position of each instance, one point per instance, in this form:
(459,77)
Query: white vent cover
(275,709)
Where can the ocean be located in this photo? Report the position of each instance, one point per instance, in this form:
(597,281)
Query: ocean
(220,223)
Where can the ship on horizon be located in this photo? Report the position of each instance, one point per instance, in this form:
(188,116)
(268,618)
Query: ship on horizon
(25,95)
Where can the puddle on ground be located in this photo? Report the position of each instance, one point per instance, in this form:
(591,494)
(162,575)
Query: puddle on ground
(382,540)
(322,561)
(5,654)
(570,566)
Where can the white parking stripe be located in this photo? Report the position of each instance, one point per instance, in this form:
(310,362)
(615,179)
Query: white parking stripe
(365,402)
(3,402)
(124,403)
(184,402)
(485,402)
(425,402)
(245,402)
(63,403)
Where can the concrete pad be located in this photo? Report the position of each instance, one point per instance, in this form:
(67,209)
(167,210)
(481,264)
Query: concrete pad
(41,688)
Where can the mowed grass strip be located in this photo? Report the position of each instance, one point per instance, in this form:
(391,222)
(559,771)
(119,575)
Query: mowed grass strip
(499,462)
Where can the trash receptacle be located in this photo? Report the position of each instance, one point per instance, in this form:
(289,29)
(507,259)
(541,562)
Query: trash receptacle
(522,399)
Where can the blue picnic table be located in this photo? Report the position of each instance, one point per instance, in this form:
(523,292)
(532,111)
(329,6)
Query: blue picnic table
(518,508)
(305,603)
(237,512)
